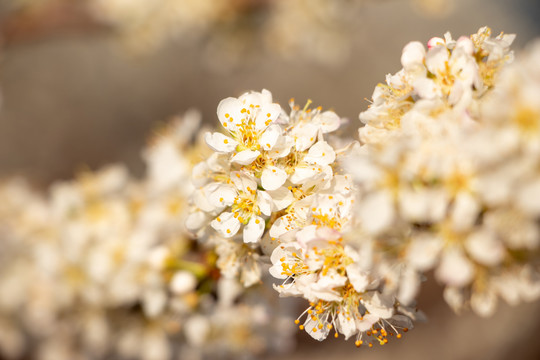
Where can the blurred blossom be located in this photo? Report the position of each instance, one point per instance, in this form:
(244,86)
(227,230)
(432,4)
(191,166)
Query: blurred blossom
(103,265)
(231,30)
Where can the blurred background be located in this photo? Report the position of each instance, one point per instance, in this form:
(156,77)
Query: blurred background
(82,86)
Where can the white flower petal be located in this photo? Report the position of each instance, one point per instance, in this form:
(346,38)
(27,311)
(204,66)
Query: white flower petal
(282,148)
(273,177)
(303,174)
(281,226)
(312,328)
(200,198)
(183,282)
(264,201)
(484,303)
(465,211)
(409,286)
(377,212)
(426,88)
(270,137)
(254,229)
(528,198)
(226,224)
(320,153)
(379,305)
(413,55)
(267,114)
(196,220)
(306,234)
(455,269)
(329,121)
(436,59)
(228,112)
(358,278)
(219,142)
(435,41)
(423,251)
(245,157)
(346,324)
(304,136)
(222,196)
(367,322)
(485,248)
(281,198)
(243,182)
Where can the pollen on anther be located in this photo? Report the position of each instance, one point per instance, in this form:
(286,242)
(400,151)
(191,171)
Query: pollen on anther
(228,231)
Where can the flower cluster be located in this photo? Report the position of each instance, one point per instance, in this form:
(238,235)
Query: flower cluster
(274,185)
(104,266)
(447,174)
(450,75)
(265,163)
(445,178)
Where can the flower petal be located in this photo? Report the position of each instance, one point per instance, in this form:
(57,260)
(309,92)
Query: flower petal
(377,212)
(222,196)
(273,177)
(226,224)
(243,182)
(264,201)
(281,198)
(270,137)
(321,153)
(268,113)
(379,305)
(305,136)
(455,269)
(328,120)
(245,157)
(254,229)
(228,112)
(413,55)
(358,278)
(220,143)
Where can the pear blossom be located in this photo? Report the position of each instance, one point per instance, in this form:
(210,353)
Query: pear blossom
(430,190)
(342,296)
(451,75)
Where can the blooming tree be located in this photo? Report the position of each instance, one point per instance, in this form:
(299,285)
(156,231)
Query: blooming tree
(444,177)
